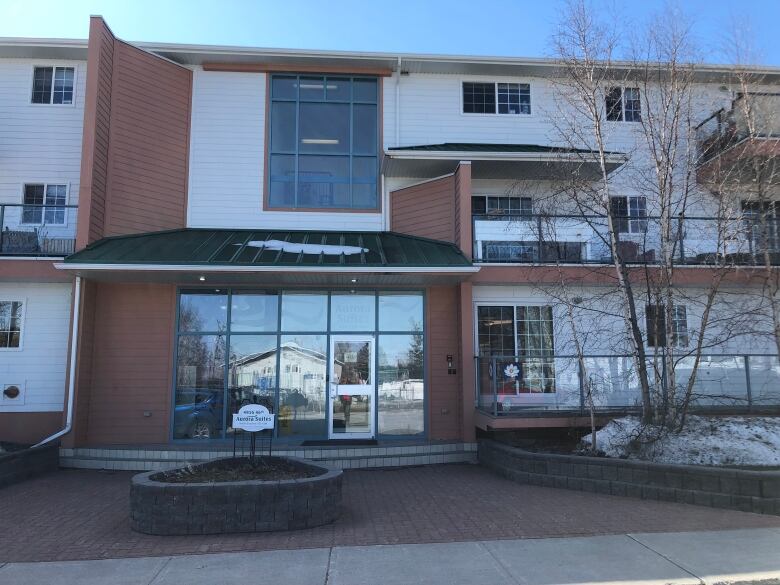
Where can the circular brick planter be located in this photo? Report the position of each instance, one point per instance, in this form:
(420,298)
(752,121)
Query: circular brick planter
(159,507)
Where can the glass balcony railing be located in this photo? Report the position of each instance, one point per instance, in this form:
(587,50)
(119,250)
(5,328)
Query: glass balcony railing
(37,230)
(507,385)
(578,239)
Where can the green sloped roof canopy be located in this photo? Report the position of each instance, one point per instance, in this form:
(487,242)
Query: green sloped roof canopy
(267,248)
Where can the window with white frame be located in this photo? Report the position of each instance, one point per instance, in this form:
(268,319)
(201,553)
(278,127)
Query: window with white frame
(521,334)
(655,323)
(623,104)
(501,205)
(53,85)
(10,324)
(629,214)
(44,204)
(496,98)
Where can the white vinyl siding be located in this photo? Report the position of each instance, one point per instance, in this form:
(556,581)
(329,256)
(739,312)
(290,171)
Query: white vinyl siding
(38,366)
(37,144)
(227,160)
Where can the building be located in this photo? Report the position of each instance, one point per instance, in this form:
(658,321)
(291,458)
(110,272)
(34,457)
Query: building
(353,240)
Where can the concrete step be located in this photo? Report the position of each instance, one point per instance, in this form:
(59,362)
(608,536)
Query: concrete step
(353,457)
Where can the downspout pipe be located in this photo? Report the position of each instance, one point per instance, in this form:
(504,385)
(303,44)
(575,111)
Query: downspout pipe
(74,335)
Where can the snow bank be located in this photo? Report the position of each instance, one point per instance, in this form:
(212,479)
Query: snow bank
(734,440)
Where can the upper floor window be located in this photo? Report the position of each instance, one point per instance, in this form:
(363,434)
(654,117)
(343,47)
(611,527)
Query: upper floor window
(323,142)
(53,85)
(501,98)
(629,214)
(10,324)
(623,104)
(494,205)
(655,322)
(44,204)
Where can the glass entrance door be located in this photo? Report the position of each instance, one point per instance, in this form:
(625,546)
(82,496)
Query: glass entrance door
(352,387)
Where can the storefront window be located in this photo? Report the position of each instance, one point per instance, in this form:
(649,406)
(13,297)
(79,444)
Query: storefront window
(251,372)
(200,387)
(352,312)
(400,312)
(401,387)
(304,312)
(254,311)
(302,399)
(205,311)
(522,336)
(277,348)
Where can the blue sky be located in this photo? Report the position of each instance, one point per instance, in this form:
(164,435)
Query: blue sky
(486,27)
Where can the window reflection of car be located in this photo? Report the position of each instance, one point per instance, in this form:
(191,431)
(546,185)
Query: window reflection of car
(198,414)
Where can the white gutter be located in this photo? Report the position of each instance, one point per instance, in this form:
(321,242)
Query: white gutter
(398,104)
(74,336)
(250,268)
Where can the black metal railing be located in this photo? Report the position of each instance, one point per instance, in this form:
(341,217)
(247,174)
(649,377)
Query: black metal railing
(729,126)
(585,239)
(506,385)
(37,230)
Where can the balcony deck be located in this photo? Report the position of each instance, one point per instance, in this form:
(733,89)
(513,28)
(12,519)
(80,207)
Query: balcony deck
(37,230)
(578,239)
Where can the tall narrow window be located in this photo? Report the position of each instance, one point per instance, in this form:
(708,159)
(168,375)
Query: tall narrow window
(323,142)
(10,324)
(53,85)
(655,323)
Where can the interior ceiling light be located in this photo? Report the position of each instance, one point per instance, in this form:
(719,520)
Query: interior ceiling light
(202,278)
(320,140)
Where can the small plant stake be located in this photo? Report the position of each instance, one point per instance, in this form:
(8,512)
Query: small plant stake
(253,418)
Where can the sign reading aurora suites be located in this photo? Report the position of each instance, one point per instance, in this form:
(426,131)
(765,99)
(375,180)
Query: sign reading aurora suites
(253,418)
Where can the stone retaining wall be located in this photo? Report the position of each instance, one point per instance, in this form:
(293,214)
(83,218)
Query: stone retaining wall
(158,507)
(16,466)
(749,491)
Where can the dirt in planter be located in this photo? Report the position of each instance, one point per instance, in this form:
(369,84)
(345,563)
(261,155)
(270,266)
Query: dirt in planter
(262,468)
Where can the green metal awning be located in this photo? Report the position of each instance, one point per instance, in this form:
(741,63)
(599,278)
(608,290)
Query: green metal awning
(478,147)
(496,160)
(202,251)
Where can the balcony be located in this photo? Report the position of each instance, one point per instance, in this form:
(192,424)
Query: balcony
(749,129)
(579,239)
(37,230)
(555,385)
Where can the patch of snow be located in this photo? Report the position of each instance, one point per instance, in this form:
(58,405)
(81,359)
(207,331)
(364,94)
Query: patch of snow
(706,440)
(294,248)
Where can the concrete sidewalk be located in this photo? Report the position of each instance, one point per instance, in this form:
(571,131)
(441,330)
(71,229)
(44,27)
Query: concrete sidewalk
(744,556)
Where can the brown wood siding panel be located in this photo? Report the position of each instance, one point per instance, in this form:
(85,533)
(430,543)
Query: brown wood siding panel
(442,339)
(28,427)
(425,210)
(132,364)
(97,121)
(149,140)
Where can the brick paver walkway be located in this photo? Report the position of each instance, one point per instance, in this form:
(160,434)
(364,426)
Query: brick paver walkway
(73,514)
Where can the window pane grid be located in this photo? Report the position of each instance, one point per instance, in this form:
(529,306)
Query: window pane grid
(514,98)
(52,85)
(10,324)
(33,197)
(479,98)
(328,124)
